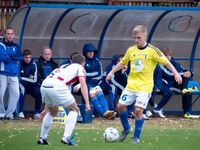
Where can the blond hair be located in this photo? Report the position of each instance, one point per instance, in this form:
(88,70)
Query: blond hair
(140,29)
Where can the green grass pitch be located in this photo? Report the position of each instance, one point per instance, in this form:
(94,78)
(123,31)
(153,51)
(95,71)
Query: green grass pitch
(158,134)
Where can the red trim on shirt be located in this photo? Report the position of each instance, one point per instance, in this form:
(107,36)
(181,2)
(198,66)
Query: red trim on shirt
(60,78)
(72,81)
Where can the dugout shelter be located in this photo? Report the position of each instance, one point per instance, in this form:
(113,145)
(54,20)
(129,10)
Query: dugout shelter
(66,28)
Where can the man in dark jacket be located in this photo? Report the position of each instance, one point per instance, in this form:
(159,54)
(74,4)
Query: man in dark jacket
(160,86)
(186,76)
(45,64)
(117,82)
(28,83)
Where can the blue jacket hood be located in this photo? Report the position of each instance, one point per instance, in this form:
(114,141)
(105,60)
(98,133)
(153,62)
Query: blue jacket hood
(89,47)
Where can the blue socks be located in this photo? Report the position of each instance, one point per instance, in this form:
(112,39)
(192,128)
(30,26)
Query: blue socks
(124,120)
(138,128)
(103,102)
(97,106)
(111,101)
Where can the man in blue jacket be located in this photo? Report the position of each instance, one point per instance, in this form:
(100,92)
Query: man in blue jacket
(9,71)
(94,74)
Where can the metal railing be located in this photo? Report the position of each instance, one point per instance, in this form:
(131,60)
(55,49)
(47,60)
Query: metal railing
(7,8)
(166,3)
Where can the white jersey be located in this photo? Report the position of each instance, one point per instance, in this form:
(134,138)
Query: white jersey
(65,75)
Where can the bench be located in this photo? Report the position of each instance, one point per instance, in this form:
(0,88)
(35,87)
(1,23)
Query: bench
(193,89)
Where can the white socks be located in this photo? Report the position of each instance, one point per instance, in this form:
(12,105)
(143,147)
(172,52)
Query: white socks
(46,123)
(70,123)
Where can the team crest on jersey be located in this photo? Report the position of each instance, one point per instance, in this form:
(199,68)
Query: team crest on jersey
(14,49)
(138,65)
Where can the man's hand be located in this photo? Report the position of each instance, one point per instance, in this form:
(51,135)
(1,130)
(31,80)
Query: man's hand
(31,76)
(187,74)
(76,88)
(124,69)
(87,107)
(108,77)
(43,113)
(178,78)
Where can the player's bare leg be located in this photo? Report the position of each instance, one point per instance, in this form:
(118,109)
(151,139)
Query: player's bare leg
(70,125)
(46,123)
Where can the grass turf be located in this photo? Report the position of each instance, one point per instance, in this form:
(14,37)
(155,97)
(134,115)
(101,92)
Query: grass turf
(158,134)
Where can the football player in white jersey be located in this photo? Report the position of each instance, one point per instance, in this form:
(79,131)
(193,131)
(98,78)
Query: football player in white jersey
(56,92)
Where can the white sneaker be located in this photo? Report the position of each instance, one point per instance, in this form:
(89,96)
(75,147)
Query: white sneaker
(189,116)
(10,118)
(149,113)
(159,112)
(155,105)
(21,115)
(36,116)
(135,141)
(145,117)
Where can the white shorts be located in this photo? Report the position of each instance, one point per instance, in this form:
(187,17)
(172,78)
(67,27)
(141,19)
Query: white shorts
(140,98)
(56,96)
(93,90)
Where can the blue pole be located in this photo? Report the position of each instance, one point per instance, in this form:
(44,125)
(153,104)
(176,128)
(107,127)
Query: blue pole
(104,31)
(23,27)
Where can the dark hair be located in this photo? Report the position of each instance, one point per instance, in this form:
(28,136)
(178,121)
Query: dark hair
(78,58)
(5,31)
(9,28)
(26,52)
(74,53)
(167,52)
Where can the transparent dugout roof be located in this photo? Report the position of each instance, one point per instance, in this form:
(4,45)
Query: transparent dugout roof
(66,28)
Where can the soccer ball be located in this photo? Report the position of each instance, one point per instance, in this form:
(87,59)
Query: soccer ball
(111,134)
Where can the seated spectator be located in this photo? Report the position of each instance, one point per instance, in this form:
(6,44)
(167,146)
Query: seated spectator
(186,76)
(160,86)
(94,74)
(117,84)
(28,85)
(45,64)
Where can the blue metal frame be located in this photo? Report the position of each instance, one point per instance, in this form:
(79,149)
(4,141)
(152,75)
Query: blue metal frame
(113,7)
(57,25)
(23,27)
(194,47)
(105,29)
(156,24)
(118,9)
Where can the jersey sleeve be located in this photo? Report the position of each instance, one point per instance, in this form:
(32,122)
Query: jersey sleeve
(81,71)
(126,57)
(160,57)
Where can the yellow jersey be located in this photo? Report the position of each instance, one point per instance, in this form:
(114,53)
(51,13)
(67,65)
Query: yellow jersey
(142,65)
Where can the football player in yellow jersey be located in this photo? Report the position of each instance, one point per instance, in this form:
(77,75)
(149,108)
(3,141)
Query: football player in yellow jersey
(143,58)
